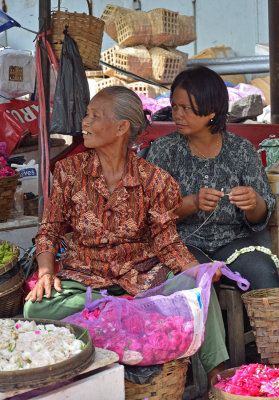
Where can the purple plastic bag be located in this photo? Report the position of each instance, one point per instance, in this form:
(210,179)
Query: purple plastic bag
(162,324)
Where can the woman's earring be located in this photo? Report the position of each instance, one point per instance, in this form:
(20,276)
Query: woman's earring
(212,120)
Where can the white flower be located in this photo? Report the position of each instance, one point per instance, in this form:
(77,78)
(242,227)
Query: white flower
(263,249)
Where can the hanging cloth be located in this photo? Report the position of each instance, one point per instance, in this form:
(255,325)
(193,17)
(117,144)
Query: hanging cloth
(72,91)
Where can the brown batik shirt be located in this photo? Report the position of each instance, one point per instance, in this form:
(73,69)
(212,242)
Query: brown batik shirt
(127,237)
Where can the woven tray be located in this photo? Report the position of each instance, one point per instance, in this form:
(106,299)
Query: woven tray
(12,262)
(11,295)
(217,394)
(37,377)
(7,190)
(262,307)
(168,385)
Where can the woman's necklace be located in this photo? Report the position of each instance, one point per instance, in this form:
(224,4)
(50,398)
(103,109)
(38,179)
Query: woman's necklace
(196,150)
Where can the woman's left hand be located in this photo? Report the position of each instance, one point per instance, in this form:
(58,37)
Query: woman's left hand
(243,197)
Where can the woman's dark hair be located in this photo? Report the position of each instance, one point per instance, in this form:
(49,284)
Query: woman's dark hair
(209,92)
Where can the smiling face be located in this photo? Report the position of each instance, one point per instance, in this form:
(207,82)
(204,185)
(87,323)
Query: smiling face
(187,121)
(100,127)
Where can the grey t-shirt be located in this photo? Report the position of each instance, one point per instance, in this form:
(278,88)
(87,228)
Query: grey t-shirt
(237,164)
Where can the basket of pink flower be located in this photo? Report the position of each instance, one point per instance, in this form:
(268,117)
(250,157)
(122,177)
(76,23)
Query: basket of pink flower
(248,381)
(8,182)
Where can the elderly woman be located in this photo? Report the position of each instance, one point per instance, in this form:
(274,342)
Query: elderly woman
(227,199)
(121,211)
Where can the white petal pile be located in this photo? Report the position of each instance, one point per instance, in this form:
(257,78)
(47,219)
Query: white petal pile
(24,344)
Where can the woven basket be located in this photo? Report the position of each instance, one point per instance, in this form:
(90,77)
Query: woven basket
(110,15)
(262,307)
(109,82)
(166,64)
(168,385)
(164,25)
(9,265)
(146,89)
(187,32)
(11,293)
(134,29)
(86,30)
(136,60)
(217,394)
(7,190)
(31,206)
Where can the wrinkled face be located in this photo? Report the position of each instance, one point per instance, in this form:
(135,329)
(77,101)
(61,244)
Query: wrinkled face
(183,115)
(100,126)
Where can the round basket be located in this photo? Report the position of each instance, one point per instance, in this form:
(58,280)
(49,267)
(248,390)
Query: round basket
(169,384)
(262,307)
(217,394)
(50,374)
(7,191)
(12,262)
(11,292)
(86,30)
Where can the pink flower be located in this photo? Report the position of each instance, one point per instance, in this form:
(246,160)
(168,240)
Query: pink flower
(134,323)
(148,354)
(37,332)
(175,339)
(18,326)
(159,341)
(252,380)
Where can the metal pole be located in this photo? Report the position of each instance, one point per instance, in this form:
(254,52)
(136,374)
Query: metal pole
(273,15)
(44,25)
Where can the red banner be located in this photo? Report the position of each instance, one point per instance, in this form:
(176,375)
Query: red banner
(17,119)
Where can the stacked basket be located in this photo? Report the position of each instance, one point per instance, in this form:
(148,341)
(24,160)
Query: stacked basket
(147,44)
(262,307)
(11,281)
(169,384)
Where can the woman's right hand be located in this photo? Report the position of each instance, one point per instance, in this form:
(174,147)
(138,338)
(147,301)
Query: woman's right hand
(207,199)
(43,286)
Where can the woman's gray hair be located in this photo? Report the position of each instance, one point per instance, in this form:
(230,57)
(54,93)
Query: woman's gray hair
(128,106)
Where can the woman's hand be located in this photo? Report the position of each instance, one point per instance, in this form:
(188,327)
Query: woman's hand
(248,200)
(207,199)
(243,197)
(43,286)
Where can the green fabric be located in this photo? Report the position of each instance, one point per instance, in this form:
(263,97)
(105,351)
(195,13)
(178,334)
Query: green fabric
(72,299)
(213,351)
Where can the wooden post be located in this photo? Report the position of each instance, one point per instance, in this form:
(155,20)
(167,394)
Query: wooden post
(44,25)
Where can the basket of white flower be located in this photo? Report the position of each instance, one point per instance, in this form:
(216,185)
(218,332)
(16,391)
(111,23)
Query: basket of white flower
(262,307)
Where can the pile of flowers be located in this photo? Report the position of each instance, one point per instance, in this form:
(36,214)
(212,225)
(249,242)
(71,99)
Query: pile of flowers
(137,339)
(252,380)
(4,169)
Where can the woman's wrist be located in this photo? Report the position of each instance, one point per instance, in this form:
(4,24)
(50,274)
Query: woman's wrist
(43,273)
